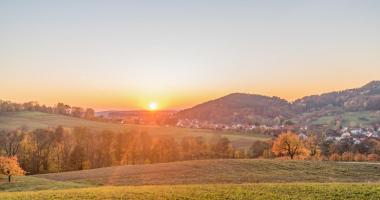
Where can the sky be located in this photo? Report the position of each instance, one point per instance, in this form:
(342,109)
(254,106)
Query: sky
(126,54)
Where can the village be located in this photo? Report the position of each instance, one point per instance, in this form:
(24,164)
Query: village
(357,134)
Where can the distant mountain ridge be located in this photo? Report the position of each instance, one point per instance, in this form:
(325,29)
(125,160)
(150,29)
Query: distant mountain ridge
(248,108)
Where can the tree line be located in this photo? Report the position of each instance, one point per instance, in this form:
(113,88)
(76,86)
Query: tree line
(60,149)
(59,108)
(290,145)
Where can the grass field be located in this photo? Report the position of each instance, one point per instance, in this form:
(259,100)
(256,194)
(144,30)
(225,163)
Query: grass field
(29,183)
(207,179)
(33,120)
(221,191)
(224,171)
(349,119)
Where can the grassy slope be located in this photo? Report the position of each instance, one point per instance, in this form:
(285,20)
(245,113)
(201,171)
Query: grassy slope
(207,179)
(230,191)
(363,118)
(28,183)
(34,120)
(225,171)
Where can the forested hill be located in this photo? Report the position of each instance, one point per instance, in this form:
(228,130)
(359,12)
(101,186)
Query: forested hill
(248,108)
(358,99)
(239,107)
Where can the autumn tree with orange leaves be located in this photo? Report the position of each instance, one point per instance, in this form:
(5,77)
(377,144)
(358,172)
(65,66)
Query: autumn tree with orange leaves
(288,144)
(9,166)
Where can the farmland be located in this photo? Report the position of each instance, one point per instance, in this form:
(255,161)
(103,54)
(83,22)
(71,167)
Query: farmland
(206,179)
(33,120)
(221,191)
(224,171)
(349,119)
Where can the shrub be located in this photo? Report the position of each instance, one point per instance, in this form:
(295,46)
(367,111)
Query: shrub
(360,157)
(348,156)
(258,147)
(268,154)
(324,158)
(239,154)
(373,157)
(335,157)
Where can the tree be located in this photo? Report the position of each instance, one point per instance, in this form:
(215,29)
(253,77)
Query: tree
(325,147)
(139,148)
(373,157)
(348,156)
(360,157)
(222,147)
(164,149)
(288,144)
(38,149)
(84,148)
(89,113)
(335,157)
(76,112)
(258,147)
(102,153)
(9,166)
(119,146)
(62,109)
(311,143)
(77,160)
(10,141)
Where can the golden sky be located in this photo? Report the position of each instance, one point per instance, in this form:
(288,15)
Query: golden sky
(124,55)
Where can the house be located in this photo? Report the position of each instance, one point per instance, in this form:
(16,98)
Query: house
(302,136)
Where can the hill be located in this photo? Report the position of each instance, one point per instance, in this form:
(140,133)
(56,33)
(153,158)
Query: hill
(363,102)
(350,108)
(366,97)
(33,120)
(239,108)
(224,171)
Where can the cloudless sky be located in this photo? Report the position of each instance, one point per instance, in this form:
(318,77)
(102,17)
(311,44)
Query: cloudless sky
(125,54)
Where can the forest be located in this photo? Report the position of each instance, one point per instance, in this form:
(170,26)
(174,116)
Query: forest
(60,149)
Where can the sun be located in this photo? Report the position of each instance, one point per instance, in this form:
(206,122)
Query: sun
(153,106)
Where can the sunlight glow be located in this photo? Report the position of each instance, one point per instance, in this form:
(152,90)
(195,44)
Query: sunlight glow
(153,106)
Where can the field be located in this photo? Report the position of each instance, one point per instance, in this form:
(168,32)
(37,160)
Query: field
(349,119)
(223,191)
(207,179)
(29,183)
(224,171)
(33,120)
